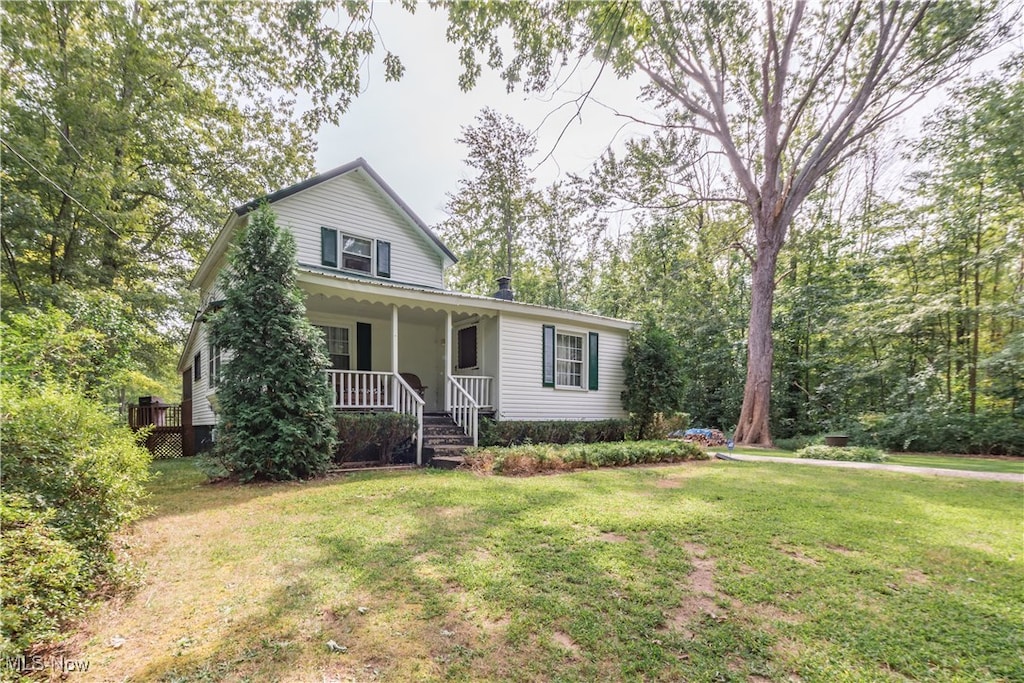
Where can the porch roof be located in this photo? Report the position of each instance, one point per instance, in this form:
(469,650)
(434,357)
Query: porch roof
(316,278)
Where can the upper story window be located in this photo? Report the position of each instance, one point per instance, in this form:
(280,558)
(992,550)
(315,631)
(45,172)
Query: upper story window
(214,358)
(355,254)
(348,252)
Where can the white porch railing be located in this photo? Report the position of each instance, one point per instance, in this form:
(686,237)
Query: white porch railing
(408,401)
(464,410)
(360,389)
(479,387)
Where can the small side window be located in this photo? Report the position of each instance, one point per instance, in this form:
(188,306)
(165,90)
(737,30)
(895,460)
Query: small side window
(383,259)
(197,366)
(329,247)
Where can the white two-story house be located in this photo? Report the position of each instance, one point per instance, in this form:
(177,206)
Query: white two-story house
(373,276)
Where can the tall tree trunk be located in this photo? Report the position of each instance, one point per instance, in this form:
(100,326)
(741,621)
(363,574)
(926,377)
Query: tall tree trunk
(754,424)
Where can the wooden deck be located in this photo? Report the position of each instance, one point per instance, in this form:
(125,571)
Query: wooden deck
(166,437)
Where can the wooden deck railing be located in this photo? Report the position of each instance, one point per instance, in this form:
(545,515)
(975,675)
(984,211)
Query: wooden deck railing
(157,415)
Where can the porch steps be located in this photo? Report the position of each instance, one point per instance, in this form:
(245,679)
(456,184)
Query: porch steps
(444,441)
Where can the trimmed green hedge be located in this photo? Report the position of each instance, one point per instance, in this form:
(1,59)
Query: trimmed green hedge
(533,459)
(359,431)
(846,453)
(515,432)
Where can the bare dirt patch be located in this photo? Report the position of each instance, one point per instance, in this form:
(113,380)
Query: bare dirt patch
(666,483)
(769,613)
(566,642)
(612,537)
(492,626)
(916,577)
(700,583)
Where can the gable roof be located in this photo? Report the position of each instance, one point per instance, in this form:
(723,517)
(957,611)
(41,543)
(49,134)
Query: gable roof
(220,244)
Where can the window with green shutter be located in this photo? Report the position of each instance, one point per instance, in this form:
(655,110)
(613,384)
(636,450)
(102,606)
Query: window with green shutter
(548,356)
(592,362)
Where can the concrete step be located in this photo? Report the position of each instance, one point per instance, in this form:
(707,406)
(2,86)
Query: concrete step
(447,462)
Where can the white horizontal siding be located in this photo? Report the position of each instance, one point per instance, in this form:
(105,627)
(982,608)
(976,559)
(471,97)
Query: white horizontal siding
(350,204)
(202,412)
(523,397)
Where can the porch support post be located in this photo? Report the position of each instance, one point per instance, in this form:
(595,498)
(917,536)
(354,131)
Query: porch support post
(447,359)
(394,356)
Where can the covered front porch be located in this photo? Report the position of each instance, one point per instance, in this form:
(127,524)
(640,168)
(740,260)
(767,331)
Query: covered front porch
(417,358)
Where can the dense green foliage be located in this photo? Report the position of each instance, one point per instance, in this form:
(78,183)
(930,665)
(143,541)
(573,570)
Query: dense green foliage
(128,129)
(275,419)
(516,432)
(40,577)
(943,429)
(90,344)
(654,378)
(64,454)
(843,453)
(383,431)
(72,478)
(533,459)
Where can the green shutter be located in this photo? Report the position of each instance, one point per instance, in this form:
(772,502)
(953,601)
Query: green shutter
(383,258)
(364,361)
(592,356)
(329,247)
(548,356)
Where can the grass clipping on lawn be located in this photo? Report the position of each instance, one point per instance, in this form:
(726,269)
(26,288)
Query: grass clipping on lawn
(842,453)
(526,460)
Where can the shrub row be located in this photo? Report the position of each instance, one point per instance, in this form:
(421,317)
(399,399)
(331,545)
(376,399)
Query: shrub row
(531,459)
(941,429)
(846,453)
(358,432)
(73,477)
(515,432)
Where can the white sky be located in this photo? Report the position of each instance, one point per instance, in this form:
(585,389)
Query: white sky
(406,130)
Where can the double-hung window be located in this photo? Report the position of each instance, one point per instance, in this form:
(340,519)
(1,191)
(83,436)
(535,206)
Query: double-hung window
(214,361)
(355,254)
(568,360)
(338,347)
(349,252)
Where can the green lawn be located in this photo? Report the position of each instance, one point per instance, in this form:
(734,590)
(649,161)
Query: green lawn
(699,572)
(949,462)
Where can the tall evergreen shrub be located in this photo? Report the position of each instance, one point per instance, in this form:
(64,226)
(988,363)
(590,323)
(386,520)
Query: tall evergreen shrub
(275,419)
(654,378)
